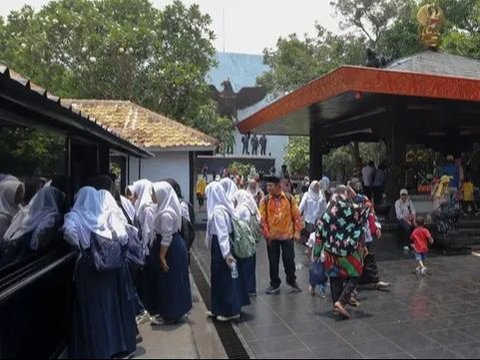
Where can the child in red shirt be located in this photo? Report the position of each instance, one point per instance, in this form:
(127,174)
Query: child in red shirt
(420,239)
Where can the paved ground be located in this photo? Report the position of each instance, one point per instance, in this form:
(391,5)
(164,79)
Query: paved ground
(196,338)
(433,317)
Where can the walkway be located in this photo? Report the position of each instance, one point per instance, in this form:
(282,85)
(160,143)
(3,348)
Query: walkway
(433,317)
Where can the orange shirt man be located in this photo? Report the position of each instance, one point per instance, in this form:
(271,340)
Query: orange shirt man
(281,225)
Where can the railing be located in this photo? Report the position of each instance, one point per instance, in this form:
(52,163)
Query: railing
(23,276)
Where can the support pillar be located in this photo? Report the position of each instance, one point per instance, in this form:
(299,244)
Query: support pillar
(396,152)
(316,145)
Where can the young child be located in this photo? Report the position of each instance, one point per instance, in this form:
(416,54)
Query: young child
(468,190)
(421,238)
(317,276)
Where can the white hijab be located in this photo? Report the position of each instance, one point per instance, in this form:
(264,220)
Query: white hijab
(114,217)
(229,187)
(167,203)
(318,199)
(41,213)
(8,189)
(244,198)
(216,200)
(85,218)
(143,191)
(129,208)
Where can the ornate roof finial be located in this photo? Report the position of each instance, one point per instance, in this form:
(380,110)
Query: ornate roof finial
(431,20)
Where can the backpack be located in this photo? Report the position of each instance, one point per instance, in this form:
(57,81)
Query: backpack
(136,249)
(244,241)
(256,229)
(107,254)
(187,232)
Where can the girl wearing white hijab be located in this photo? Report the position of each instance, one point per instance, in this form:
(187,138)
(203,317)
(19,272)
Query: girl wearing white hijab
(230,188)
(313,206)
(40,217)
(103,311)
(114,218)
(142,191)
(245,209)
(228,294)
(129,209)
(167,269)
(12,192)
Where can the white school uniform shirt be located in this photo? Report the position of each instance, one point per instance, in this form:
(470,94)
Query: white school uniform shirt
(168,218)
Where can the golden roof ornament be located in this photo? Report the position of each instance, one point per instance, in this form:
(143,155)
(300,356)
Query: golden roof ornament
(430,18)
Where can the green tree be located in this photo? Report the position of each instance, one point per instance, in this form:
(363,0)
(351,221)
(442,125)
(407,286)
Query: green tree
(117,49)
(297,156)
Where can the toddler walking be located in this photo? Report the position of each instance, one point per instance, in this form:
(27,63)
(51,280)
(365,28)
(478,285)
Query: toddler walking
(317,276)
(421,239)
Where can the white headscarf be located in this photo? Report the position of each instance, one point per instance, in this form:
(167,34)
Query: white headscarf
(85,218)
(167,203)
(318,199)
(229,187)
(217,197)
(114,217)
(129,208)
(143,191)
(8,189)
(41,213)
(216,200)
(244,198)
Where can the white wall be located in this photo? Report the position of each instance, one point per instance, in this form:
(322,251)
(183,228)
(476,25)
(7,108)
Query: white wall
(175,165)
(275,146)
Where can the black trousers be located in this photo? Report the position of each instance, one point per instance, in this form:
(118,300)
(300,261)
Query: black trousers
(342,290)
(286,247)
(370,268)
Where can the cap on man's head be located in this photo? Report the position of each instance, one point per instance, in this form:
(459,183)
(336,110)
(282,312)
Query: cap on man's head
(450,158)
(272,179)
(403,192)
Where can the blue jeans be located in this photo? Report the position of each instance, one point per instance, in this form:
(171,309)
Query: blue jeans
(420,256)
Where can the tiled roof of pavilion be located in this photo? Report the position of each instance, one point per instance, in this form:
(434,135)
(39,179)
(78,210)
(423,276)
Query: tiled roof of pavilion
(432,62)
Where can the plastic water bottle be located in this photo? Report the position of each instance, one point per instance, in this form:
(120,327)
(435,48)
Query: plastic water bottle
(234,270)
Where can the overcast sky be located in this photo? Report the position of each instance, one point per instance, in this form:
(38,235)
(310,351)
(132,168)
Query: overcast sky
(250,25)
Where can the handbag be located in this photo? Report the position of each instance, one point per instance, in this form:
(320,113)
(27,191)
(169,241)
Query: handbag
(107,254)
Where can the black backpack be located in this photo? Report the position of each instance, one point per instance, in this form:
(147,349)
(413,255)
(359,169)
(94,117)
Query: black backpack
(188,232)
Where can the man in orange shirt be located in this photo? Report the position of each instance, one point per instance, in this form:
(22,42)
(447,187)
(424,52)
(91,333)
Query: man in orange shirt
(281,226)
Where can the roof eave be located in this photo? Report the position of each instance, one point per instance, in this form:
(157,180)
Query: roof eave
(367,80)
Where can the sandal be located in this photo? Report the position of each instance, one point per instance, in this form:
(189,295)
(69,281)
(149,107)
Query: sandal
(354,302)
(341,310)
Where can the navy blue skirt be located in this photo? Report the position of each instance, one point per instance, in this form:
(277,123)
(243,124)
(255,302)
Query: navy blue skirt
(228,295)
(248,269)
(103,312)
(175,295)
(167,294)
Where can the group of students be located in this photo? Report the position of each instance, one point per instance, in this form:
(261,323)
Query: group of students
(132,262)
(132,265)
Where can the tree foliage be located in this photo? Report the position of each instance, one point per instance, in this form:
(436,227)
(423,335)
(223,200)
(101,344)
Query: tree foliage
(117,49)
